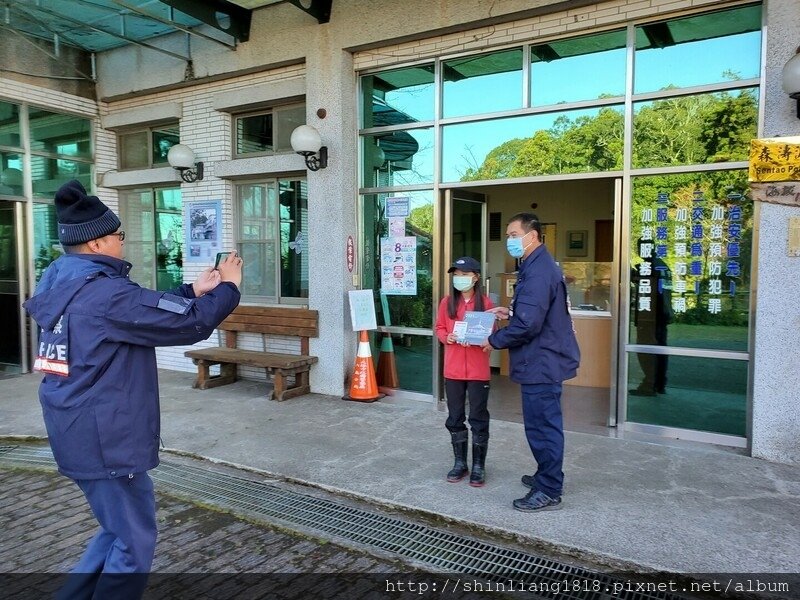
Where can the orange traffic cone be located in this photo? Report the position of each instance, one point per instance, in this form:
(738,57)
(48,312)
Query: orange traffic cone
(387,369)
(363,386)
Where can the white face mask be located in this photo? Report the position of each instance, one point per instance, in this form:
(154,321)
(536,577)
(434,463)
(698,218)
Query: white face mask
(462,282)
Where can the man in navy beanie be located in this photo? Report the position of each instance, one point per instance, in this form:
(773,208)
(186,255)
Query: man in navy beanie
(97,336)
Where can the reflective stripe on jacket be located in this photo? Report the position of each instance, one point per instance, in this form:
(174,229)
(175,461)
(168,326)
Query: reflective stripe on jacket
(102,416)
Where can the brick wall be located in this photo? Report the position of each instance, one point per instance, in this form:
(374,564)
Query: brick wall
(209,133)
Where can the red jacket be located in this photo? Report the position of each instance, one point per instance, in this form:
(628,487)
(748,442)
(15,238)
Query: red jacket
(467,363)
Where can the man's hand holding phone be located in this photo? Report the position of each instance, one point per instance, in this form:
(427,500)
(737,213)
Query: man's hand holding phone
(229,265)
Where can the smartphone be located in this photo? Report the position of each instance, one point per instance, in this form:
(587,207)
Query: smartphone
(220,257)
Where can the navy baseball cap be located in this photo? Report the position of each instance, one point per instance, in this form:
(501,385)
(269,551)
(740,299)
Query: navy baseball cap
(466,263)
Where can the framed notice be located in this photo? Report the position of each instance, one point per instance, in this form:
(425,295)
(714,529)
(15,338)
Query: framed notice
(577,243)
(202,229)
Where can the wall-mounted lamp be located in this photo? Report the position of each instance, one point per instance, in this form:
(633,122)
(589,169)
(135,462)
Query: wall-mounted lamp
(791,79)
(306,142)
(181,158)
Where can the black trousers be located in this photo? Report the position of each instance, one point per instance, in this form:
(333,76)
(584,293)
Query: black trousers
(457,391)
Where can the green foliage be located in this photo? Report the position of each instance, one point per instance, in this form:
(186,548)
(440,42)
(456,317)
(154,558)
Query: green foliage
(675,131)
(422,218)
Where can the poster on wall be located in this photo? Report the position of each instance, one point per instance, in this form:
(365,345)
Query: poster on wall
(399,266)
(203,230)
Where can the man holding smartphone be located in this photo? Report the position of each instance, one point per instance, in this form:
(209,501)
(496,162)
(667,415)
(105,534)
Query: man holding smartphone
(99,396)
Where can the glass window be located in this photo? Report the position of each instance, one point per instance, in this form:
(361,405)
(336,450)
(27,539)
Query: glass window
(273,239)
(397,97)
(691,248)
(49,174)
(153,224)
(164,139)
(482,83)
(404,311)
(56,133)
(148,147)
(704,49)
(47,248)
(293,201)
(9,125)
(703,394)
(583,68)
(11,180)
(413,353)
(397,158)
(569,142)
(268,131)
(699,129)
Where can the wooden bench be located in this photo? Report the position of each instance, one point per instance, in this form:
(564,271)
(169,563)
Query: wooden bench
(298,322)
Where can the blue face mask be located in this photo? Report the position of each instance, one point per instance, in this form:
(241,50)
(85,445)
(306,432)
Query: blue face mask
(462,282)
(515,247)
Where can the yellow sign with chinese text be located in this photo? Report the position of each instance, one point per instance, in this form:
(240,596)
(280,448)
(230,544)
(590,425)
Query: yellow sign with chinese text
(775,159)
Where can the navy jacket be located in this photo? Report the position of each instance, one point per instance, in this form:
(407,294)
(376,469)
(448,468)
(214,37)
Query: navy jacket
(97,339)
(539,335)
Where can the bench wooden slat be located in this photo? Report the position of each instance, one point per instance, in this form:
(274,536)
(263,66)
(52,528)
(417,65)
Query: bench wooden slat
(298,321)
(269,329)
(252,358)
(274,311)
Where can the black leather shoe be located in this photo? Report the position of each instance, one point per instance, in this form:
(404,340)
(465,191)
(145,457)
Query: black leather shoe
(536,500)
(529,482)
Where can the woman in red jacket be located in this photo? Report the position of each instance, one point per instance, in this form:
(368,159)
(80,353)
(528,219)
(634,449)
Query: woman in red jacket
(466,372)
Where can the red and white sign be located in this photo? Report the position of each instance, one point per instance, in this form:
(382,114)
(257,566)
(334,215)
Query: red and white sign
(351,253)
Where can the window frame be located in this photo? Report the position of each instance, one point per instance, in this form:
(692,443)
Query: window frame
(278,299)
(152,283)
(272,110)
(150,130)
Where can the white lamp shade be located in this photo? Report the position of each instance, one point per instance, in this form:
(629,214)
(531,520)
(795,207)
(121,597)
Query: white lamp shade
(306,139)
(791,75)
(180,156)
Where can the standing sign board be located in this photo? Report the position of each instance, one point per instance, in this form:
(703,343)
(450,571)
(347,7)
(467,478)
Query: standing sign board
(362,310)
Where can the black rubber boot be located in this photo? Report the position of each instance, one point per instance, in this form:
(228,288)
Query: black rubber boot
(460,443)
(478,477)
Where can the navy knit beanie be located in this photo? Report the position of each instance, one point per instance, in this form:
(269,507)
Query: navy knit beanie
(80,217)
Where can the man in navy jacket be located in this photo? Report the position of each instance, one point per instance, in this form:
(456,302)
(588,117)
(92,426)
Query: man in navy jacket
(543,353)
(99,395)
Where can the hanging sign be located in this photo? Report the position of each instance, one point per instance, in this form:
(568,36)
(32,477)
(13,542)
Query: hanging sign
(775,159)
(350,253)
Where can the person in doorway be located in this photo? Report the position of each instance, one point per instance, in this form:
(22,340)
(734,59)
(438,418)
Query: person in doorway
(543,353)
(466,372)
(652,312)
(99,395)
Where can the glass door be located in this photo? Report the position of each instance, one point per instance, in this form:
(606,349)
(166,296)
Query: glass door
(464,234)
(11,342)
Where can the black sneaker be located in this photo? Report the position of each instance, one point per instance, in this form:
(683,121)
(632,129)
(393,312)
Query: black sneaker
(529,482)
(537,500)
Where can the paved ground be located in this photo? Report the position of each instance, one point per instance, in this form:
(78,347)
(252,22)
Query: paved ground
(45,524)
(627,504)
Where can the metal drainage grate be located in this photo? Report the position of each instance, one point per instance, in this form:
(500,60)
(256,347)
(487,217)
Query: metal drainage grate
(446,552)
